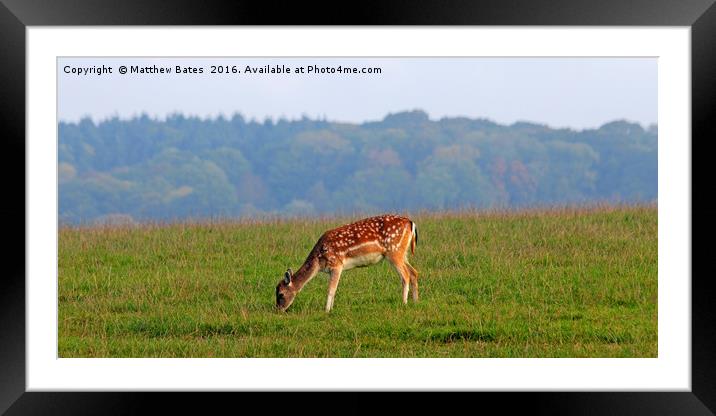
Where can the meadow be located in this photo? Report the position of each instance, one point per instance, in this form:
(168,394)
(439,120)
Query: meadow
(563,282)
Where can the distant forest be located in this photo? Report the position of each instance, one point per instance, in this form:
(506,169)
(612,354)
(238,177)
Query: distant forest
(187,167)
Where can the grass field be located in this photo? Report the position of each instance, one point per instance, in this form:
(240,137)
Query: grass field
(550,283)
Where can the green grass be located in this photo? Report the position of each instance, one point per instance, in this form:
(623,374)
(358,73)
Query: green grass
(550,283)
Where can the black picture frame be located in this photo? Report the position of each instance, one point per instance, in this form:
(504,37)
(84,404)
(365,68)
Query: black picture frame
(16,15)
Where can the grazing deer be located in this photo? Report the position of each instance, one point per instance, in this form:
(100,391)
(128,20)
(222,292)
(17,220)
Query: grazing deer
(358,244)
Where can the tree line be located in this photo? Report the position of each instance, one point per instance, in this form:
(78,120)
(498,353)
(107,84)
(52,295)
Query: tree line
(189,167)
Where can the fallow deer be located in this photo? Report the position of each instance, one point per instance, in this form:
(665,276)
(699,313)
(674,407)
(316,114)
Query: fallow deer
(359,244)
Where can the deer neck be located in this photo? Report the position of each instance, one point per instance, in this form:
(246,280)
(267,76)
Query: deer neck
(305,273)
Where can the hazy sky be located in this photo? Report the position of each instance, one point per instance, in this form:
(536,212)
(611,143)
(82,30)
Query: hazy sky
(561,92)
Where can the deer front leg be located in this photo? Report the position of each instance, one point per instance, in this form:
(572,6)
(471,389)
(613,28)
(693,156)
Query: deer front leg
(332,286)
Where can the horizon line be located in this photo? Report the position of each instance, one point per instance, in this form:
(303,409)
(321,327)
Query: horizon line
(323,118)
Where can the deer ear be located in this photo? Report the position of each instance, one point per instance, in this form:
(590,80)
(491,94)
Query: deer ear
(287,276)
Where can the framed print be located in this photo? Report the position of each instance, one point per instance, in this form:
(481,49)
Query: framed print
(187,174)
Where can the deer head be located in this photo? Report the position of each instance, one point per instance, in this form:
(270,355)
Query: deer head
(285,291)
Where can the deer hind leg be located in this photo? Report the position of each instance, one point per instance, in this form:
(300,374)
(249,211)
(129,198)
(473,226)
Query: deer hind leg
(403,272)
(332,286)
(413,280)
